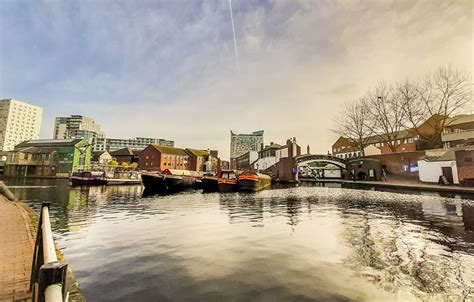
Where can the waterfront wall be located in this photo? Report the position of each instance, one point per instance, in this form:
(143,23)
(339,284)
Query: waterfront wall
(465,164)
(395,163)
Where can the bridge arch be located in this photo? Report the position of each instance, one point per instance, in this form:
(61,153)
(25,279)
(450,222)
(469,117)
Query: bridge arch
(305,166)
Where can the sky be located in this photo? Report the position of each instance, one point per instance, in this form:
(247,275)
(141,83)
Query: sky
(167,69)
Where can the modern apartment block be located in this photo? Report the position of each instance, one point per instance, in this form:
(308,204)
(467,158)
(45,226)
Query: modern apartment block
(138,143)
(243,143)
(76,126)
(19,122)
(458,131)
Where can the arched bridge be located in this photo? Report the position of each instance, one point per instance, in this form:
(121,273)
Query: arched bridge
(304,160)
(327,166)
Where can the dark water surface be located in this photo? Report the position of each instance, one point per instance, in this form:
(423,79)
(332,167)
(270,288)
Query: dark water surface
(293,244)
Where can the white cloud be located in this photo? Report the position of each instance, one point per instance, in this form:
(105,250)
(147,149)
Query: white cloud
(169,70)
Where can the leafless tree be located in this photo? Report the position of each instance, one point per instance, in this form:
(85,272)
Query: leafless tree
(387,113)
(355,124)
(440,95)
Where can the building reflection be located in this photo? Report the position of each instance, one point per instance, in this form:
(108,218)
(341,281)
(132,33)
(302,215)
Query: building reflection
(242,208)
(407,249)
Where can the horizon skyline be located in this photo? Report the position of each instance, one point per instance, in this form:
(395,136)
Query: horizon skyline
(173,63)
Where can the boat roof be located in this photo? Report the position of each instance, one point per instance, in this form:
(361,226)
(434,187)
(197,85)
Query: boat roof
(181,172)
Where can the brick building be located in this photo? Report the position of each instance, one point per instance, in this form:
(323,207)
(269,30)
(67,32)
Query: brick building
(284,169)
(203,160)
(465,165)
(403,164)
(406,141)
(157,157)
(245,161)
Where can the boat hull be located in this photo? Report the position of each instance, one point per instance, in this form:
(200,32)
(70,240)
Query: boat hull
(124,181)
(209,184)
(226,185)
(254,183)
(167,183)
(86,181)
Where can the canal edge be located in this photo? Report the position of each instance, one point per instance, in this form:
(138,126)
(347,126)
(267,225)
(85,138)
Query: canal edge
(31,220)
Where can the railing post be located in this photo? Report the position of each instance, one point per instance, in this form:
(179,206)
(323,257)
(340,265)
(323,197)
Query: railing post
(48,280)
(38,250)
(53,273)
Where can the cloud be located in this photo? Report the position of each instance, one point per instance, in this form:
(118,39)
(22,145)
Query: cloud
(167,69)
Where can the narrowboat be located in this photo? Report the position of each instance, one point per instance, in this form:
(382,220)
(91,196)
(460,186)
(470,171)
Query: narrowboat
(170,180)
(253,181)
(227,181)
(123,178)
(100,178)
(209,183)
(88,178)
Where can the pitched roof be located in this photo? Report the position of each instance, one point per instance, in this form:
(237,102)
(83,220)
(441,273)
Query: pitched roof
(273,146)
(197,152)
(48,143)
(169,150)
(98,153)
(122,152)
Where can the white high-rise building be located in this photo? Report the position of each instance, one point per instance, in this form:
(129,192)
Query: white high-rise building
(19,122)
(76,126)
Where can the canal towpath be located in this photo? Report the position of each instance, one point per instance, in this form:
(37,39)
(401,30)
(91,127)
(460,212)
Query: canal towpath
(401,184)
(17,243)
(16,250)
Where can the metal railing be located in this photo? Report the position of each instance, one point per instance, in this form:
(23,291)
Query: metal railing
(48,275)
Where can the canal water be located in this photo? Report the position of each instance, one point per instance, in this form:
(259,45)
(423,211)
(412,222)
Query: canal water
(287,244)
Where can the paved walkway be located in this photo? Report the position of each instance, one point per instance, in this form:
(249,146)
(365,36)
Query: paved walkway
(402,183)
(16,251)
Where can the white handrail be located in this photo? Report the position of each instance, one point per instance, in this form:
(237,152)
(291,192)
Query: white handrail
(53,293)
(49,251)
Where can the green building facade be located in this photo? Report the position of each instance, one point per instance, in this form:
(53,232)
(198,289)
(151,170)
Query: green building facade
(49,158)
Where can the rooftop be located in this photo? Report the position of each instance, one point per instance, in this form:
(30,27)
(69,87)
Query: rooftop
(170,150)
(255,133)
(197,152)
(49,143)
(460,119)
(124,152)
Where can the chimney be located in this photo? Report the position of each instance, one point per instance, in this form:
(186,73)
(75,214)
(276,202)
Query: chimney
(307,149)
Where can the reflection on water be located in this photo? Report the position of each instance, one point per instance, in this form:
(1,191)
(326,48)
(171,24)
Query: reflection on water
(306,243)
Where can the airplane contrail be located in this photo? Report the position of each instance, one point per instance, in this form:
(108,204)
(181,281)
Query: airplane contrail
(233,32)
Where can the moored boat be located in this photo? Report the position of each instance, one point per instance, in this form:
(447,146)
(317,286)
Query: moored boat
(123,178)
(100,178)
(227,181)
(209,183)
(253,181)
(170,180)
(88,178)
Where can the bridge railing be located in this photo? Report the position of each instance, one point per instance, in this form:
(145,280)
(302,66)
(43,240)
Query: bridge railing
(48,275)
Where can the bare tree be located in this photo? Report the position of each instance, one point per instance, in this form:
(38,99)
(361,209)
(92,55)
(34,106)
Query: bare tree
(354,123)
(386,110)
(439,95)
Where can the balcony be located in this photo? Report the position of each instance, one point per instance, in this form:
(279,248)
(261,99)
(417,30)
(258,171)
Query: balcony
(458,136)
